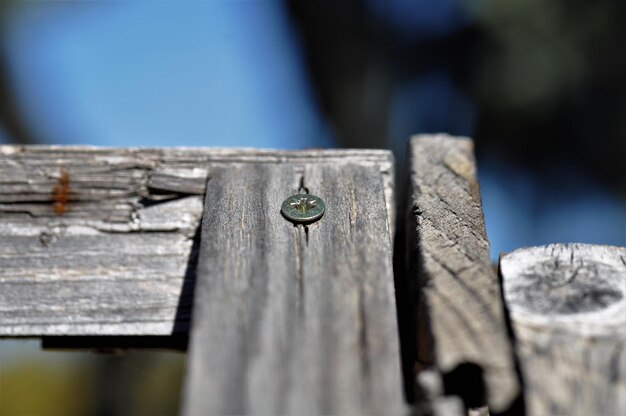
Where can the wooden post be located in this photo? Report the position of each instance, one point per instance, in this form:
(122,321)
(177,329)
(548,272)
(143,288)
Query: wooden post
(567,305)
(459,318)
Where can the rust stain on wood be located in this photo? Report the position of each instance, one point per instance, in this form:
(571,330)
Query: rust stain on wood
(61,193)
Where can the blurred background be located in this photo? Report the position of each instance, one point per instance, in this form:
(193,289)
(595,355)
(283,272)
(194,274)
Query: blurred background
(539,85)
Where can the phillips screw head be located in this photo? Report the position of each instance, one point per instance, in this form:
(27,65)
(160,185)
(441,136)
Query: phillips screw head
(303,208)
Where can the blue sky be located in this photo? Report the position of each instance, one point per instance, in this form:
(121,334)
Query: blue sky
(161,74)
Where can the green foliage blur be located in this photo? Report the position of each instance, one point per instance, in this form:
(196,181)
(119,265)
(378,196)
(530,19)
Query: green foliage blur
(35,382)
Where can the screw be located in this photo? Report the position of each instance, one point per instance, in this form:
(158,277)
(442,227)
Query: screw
(303,208)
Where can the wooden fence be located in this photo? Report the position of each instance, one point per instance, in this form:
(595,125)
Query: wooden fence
(359,312)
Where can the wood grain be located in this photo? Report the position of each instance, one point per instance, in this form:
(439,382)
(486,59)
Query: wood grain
(458,310)
(292,319)
(567,305)
(120,259)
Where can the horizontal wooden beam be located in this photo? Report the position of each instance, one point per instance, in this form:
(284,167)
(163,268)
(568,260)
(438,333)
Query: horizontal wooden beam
(103,241)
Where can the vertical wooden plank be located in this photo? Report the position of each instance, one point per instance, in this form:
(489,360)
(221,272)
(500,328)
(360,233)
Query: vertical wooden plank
(567,305)
(458,310)
(292,319)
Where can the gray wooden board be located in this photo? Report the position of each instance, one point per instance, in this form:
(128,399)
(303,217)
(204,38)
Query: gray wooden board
(459,316)
(567,305)
(288,319)
(120,260)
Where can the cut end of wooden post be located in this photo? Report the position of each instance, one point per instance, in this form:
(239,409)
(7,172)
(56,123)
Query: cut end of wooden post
(576,287)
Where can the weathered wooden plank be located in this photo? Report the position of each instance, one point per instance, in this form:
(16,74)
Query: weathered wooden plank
(292,319)
(458,311)
(116,178)
(80,279)
(120,259)
(567,304)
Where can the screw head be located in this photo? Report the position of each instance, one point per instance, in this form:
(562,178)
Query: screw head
(303,208)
